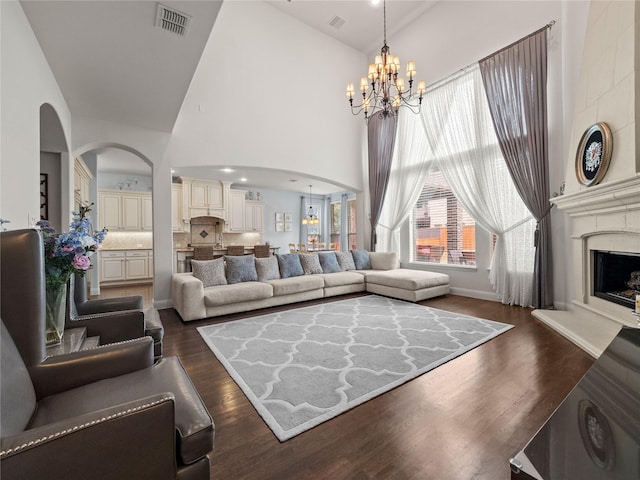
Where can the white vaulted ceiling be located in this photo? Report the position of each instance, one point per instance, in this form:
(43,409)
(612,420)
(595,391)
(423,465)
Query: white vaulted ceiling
(113,64)
(111,61)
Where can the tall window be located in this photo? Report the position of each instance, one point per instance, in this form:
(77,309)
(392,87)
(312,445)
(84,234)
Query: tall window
(348,233)
(443,231)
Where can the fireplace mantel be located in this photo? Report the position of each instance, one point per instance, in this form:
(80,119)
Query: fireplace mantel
(611,197)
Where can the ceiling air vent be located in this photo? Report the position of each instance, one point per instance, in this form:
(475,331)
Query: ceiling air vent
(337,22)
(172,20)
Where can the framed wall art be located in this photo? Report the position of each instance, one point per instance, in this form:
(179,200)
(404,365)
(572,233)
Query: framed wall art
(594,154)
(44,196)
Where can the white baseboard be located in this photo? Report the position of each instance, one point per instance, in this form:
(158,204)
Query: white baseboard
(160,304)
(479,294)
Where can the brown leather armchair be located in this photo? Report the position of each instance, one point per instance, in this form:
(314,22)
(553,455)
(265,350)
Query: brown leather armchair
(112,319)
(22,276)
(104,413)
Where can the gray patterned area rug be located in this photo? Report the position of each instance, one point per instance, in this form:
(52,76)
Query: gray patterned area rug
(304,366)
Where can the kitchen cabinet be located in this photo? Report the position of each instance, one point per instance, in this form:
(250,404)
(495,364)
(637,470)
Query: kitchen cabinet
(112,266)
(236,211)
(136,265)
(177,220)
(125,210)
(146,210)
(254,213)
(81,183)
(124,266)
(203,198)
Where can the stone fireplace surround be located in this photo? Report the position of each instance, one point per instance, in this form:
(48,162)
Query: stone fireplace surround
(603,217)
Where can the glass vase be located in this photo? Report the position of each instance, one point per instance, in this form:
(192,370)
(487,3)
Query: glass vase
(55,313)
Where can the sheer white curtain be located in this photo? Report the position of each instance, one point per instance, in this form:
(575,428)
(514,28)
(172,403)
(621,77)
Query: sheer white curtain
(459,129)
(408,171)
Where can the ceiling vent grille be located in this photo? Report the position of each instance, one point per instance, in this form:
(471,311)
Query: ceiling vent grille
(172,20)
(337,22)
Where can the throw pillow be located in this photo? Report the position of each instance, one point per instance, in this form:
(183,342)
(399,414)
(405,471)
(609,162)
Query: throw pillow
(329,262)
(209,272)
(267,268)
(290,265)
(241,268)
(345,260)
(310,263)
(361,259)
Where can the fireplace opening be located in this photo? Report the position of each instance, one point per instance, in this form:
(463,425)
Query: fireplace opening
(616,276)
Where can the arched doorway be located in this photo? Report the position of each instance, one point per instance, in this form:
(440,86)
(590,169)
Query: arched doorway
(53,147)
(122,197)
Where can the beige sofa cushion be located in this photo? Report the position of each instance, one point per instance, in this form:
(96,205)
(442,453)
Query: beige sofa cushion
(287,286)
(342,278)
(384,260)
(236,292)
(408,279)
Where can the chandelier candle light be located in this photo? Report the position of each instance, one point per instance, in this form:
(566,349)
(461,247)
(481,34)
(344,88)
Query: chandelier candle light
(311,218)
(383,90)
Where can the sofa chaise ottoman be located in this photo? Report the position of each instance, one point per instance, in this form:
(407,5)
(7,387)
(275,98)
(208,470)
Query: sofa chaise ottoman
(411,285)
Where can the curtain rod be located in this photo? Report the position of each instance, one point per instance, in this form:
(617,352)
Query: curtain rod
(548,25)
(468,68)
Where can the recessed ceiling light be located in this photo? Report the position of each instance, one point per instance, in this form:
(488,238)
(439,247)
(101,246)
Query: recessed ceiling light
(226,170)
(243,179)
(375,2)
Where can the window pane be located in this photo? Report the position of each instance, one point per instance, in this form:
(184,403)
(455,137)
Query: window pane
(443,232)
(351,215)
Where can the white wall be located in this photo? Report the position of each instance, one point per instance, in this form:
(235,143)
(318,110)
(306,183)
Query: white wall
(280,202)
(455,34)
(26,83)
(114,180)
(269,92)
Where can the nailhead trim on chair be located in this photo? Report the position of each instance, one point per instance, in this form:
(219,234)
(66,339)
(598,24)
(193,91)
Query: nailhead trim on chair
(8,452)
(123,342)
(119,313)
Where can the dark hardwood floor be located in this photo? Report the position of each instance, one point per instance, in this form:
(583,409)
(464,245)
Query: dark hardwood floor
(461,421)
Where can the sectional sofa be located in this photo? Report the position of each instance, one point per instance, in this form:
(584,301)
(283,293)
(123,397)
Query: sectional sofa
(238,284)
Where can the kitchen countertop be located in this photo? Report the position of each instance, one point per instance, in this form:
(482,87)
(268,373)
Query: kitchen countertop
(122,249)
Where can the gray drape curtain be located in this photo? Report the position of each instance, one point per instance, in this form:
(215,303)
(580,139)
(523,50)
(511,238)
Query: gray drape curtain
(515,80)
(381,137)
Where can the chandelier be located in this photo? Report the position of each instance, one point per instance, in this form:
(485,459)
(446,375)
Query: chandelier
(311,218)
(383,90)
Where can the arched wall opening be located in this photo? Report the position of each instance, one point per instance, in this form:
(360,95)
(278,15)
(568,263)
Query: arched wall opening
(53,168)
(122,190)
